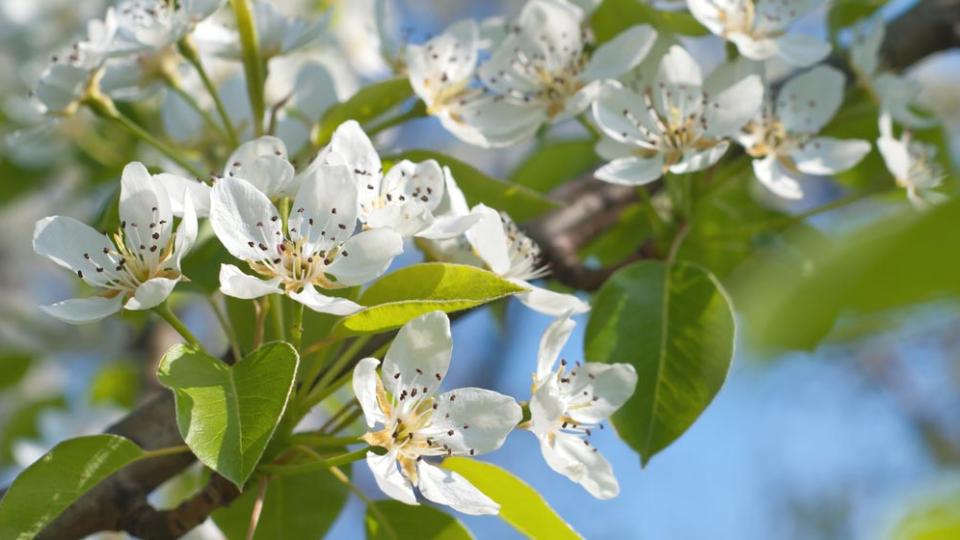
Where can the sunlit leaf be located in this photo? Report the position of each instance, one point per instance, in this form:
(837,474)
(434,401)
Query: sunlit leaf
(368,103)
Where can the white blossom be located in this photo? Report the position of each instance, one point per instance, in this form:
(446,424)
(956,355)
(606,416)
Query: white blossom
(540,71)
(896,94)
(416,422)
(319,246)
(138,268)
(566,406)
(152,25)
(674,124)
(913,165)
(783,140)
(277,33)
(759,28)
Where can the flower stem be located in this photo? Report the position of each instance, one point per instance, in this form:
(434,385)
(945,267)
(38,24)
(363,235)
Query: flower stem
(312,439)
(190,53)
(195,105)
(252,63)
(276,309)
(257,508)
(146,137)
(169,451)
(163,310)
(319,465)
(296,327)
(346,356)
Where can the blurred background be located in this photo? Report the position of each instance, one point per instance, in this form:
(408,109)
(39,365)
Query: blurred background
(859,438)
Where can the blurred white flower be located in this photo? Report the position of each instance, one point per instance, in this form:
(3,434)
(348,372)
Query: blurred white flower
(139,268)
(566,407)
(675,124)
(418,423)
(759,28)
(277,33)
(913,165)
(782,138)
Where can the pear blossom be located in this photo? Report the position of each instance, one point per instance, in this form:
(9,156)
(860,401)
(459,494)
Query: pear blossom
(759,28)
(783,140)
(417,423)
(896,94)
(913,165)
(152,25)
(402,200)
(317,248)
(674,124)
(66,82)
(138,268)
(277,33)
(540,71)
(566,406)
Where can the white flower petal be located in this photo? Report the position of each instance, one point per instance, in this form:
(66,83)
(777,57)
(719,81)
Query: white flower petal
(865,49)
(489,240)
(233,282)
(502,122)
(826,155)
(896,155)
(179,188)
(186,232)
(350,146)
(698,160)
(775,177)
(365,388)
(708,13)
(550,302)
(802,50)
(445,227)
(678,67)
(244,219)
(69,242)
(608,111)
(632,171)
(569,456)
(389,479)
(610,149)
(365,256)
(446,60)
(604,389)
(151,293)
(620,54)
(263,162)
(754,48)
(734,107)
(84,310)
(420,354)
(551,343)
(325,209)
(144,208)
(449,488)
(322,303)
(808,101)
(480,420)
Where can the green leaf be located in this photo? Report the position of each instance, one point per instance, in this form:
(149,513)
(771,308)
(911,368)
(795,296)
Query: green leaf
(520,505)
(934,516)
(61,476)
(405,521)
(13,366)
(844,13)
(675,325)
(615,16)
(554,163)
(368,103)
(522,203)
(117,383)
(227,414)
(400,296)
(298,507)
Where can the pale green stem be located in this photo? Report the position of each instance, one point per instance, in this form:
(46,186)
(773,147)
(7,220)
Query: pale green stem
(257,509)
(161,452)
(319,465)
(312,439)
(189,51)
(296,327)
(163,147)
(252,63)
(195,105)
(164,311)
(276,309)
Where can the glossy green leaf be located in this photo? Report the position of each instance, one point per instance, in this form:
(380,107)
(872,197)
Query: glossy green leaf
(521,202)
(49,486)
(227,414)
(554,163)
(405,521)
(520,505)
(414,290)
(301,507)
(676,326)
(615,16)
(368,103)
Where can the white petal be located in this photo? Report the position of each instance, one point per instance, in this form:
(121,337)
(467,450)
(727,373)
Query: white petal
(69,242)
(325,209)
(420,354)
(421,181)
(243,218)
(365,256)
(84,310)
(753,48)
(480,420)
(698,160)
(179,188)
(802,50)
(446,60)
(865,49)
(445,227)
(734,107)
(678,67)
(449,488)
(547,406)
(610,149)
(389,479)
(896,155)
(579,102)
(144,207)
(489,240)
(322,303)
(608,111)
(620,54)
(235,283)
(314,90)
(826,155)
(365,388)
(550,302)
(776,178)
(708,14)
(808,101)
(151,293)
(632,171)
(350,146)
(186,232)
(569,456)
(263,163)
(607,388)
(551,343)
(502,122)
